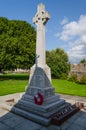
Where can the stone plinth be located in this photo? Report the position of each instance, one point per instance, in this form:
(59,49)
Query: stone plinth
(51,101)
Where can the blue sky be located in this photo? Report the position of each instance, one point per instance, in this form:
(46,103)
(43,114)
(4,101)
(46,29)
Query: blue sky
(66,29)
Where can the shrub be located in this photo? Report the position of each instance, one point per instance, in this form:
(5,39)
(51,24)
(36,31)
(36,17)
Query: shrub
(83,79)
(73,78)
(63,76)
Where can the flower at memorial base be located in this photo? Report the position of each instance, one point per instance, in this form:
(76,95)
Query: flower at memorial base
(38,99)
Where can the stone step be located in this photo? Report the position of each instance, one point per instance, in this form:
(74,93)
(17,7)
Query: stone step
(45,111)
(47,101)
(31,116)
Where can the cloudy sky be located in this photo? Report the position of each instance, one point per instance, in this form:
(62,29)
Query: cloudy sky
(66,28)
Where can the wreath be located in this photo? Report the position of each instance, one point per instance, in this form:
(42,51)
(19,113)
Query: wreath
(38,99)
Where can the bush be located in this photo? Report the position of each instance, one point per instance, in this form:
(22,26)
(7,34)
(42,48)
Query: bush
(63,76)
(14,76)
(73,78)
(83,79)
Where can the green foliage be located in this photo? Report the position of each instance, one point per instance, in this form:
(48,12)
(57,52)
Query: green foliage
(83,80)
(73,78)
(58,62)
(83,61)
(17,44)
(18,76)
(64,76)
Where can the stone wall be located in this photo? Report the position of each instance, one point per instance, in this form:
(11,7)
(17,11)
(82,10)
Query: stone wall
(78,69)
(21,70)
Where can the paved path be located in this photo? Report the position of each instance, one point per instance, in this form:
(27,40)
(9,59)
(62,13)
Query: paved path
(10,121)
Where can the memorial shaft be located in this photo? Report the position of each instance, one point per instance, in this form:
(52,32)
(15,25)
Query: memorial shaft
(40,20)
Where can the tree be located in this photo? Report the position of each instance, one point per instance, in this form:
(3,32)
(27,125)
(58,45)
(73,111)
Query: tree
(83,61)
(58,61)
(17,44)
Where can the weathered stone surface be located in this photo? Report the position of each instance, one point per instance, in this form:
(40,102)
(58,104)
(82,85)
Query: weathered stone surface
(45,111)
(32,116)
(51,104)
(3,126)
(40,79)
(70,124)
(28,125)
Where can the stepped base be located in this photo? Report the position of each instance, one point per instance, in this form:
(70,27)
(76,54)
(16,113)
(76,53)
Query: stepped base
(31,116)
(51,103)
(41,114)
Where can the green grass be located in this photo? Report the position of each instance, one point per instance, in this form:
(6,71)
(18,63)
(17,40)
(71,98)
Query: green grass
(14,83)
(12,86)
(67,87)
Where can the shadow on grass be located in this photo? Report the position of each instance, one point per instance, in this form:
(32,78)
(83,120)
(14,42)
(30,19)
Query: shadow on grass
(14,76)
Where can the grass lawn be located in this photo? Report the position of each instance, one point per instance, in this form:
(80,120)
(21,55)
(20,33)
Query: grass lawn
(14,83)
(12,86)
(67,87)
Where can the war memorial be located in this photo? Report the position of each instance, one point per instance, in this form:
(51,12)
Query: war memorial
(40,105)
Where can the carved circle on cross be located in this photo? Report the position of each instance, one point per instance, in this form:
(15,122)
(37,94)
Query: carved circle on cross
(41,17)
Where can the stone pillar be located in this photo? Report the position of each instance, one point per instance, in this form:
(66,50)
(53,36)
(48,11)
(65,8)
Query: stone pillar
(40,20)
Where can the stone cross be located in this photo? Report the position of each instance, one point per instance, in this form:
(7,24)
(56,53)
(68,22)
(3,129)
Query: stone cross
(40,20)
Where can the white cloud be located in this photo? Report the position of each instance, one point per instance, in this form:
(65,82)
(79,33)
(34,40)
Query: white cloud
(75,34)
(64,21)
(74,28)
(77,51)
(83,39)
